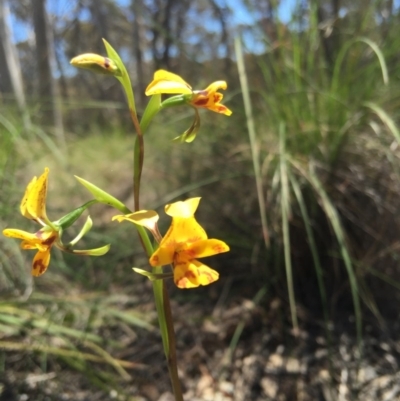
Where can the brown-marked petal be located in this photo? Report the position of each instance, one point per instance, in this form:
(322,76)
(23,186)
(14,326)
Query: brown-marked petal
(33,205)
(183,231)
(24,200)
(40,263)
(193,274)
(162,256)
(208,247)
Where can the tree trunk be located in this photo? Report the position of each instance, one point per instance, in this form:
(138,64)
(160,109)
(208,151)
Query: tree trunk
(42,50)
(10,69)
(138,37)
(47,90)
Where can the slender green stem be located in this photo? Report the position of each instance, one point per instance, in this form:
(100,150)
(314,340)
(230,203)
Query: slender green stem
(161,297)
(138,159)
(171,357)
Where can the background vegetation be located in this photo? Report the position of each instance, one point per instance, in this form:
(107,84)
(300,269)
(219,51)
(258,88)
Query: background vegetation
(302,180)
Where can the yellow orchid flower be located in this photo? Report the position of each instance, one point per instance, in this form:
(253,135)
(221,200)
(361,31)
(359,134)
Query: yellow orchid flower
(33,206)
(42,240)
(168,83)
(185,242)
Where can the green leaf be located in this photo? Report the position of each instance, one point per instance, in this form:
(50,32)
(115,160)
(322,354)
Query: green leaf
(152,108)
(124,78)
(103,196)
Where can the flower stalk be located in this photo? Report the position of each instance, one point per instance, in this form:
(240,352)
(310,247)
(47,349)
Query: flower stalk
(184,243)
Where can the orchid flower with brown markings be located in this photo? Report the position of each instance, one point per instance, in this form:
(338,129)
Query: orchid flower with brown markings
(184,243)
(168,83)
(33,207)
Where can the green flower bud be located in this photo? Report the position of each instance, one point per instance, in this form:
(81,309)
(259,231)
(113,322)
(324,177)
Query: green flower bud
(70,218)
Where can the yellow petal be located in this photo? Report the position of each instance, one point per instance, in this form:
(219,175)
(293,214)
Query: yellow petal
(164,75)
(193,274)
(24,201)
(169,83)
(220,108)
(40,263)
(145,218)
(206,275)
(164,255)
(183,231)
(167,87)
(32,245)
(42,240)
(215,86)
(185,208)
(208,247)
(20,234)
(33,205)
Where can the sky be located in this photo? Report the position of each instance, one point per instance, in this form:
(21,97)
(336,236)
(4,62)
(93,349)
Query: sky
(21,31)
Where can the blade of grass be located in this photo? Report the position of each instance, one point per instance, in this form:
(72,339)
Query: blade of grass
(385,118)
(313,248)
(334,220)
(336,78)
(18,346)
(285,212)
(240,327)
(252,137)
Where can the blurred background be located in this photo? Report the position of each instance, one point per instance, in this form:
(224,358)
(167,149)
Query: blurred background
(302,181)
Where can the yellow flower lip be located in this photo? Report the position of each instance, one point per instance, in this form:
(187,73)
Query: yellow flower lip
(210,98)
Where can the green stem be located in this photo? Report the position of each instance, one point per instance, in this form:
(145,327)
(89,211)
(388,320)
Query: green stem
(171,356)
(138,159)
(160,293)
(161,297)
(167,332)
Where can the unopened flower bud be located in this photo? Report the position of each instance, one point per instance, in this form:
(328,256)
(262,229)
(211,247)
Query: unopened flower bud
(96,63)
